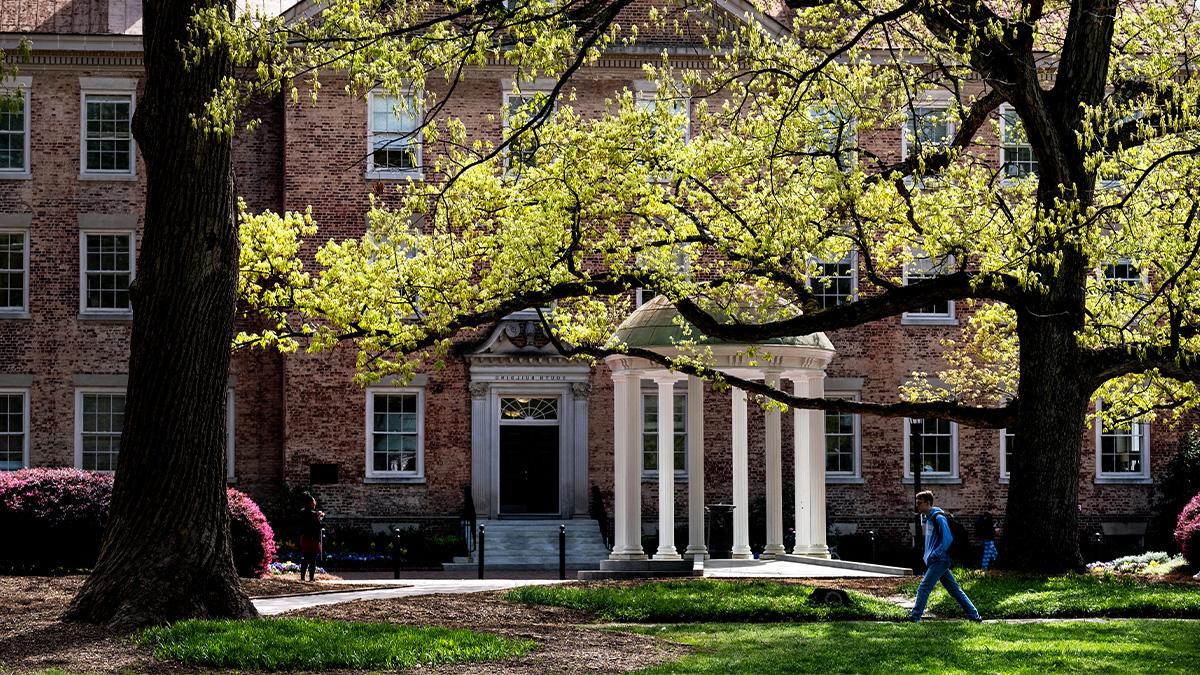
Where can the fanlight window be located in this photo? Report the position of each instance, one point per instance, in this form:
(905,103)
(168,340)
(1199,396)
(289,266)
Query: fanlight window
(528,409)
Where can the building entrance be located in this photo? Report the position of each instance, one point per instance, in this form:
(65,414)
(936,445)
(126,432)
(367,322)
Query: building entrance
(529,456)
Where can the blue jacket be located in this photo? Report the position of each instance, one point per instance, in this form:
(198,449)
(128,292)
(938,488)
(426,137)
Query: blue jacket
(937,537)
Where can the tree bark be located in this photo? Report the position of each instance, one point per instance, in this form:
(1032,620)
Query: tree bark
(1041,526)
(166,553)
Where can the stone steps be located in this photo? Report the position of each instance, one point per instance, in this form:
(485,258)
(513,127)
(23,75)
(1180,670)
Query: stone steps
(533,544)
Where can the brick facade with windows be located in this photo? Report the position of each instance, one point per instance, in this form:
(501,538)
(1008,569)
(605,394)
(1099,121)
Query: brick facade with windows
(299,420)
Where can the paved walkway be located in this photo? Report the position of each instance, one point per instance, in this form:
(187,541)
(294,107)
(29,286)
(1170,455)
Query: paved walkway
(778,569)
(402,588)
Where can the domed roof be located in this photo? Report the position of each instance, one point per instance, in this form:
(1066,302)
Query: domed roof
(656,324)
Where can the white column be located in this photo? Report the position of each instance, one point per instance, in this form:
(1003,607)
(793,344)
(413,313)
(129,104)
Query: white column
(627,486)
(816,472)
(810,468)
(666,469)
(741,501)
(773,438)
(695,467)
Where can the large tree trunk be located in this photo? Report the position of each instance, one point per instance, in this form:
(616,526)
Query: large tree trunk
(1042,522)
(166,553)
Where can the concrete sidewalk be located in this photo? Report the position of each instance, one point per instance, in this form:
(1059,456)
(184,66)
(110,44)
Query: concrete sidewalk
(403,588)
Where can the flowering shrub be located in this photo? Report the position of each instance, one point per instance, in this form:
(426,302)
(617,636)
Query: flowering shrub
(1156,563)
(53,519)
(1187,531)
(250,535)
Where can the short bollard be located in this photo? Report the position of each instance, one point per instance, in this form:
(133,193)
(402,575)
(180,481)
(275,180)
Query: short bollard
(562,552)
(479,545)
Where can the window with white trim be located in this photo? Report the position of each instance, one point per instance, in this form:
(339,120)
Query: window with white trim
(14,429)
(678,107)
(230,435)
(108,133)
(936,440)
(106,270)
(650,432)
(921,268)
(836,134)
(395,433)
(99,417)
(1016,154)
(1008,441)
(393,130)
(1122,450)
(14,129)
(1122,277)
(519,109)
(14,271)
(842,442)
(834,283)
(928,128)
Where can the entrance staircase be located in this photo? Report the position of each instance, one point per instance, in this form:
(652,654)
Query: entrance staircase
(533,545)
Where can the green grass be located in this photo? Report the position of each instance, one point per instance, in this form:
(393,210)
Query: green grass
(937,647)
(1073,595)
(703,600)
(290,644)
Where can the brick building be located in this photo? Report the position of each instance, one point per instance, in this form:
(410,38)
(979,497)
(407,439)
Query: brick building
(528,431)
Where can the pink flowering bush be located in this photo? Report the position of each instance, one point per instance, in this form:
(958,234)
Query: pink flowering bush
(52,521)
(1187,532)
(250,535)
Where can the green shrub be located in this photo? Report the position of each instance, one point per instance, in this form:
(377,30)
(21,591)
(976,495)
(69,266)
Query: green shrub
(1178,482)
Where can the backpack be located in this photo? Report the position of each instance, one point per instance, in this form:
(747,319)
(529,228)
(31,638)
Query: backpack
(960,542)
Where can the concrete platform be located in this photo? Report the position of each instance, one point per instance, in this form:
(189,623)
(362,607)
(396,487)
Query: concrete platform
(787,569)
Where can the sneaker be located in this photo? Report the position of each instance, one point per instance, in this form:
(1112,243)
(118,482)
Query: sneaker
(975,619)
(913,619)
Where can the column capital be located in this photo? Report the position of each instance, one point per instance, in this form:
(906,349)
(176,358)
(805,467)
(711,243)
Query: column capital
(665,376)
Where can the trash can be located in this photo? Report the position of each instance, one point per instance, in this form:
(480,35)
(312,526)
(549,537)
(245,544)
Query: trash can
(720,531)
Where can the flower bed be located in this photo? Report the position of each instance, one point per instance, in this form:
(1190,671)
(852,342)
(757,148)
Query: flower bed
(1157,563)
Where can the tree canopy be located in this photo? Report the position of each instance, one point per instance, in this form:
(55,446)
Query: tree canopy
(1049,181)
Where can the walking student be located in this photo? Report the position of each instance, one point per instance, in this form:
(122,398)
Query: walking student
(985,529)
(937,560)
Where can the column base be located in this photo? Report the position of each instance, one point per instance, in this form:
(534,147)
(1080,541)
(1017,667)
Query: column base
(668,554)
(627,555)
(694,552)
(773,550)
(818,551)
(746,554)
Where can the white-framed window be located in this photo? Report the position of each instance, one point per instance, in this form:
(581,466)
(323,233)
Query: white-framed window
(14,271)
(679,107)
(1122,451)
(1008,442)
(14,127)
(650,433)
(642,295)
(937,441)
(14,429)
(106,268)
(835,282)
(519,108)
(107,148)
(393,136)
(396,433)
(843,443)
(927,128)
(99,417)
(836,134)
(1122,277)
(923,267)
(230,435)
(1016,154)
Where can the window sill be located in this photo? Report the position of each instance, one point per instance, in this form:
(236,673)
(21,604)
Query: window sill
(126,177)
(1004,480)
(14,314)
(16,175)
(393,480)
(395,175)
(114,317)
(935,480)
(844,480)
(1124,480)
(652,476)
(927,320)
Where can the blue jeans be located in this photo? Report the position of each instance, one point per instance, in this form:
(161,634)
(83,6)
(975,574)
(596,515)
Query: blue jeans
(939,570)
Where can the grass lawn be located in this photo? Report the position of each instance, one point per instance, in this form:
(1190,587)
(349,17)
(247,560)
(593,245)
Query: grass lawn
(1009,596)
(1131,646)
(704,600)
(307,644)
